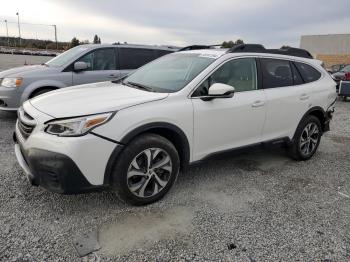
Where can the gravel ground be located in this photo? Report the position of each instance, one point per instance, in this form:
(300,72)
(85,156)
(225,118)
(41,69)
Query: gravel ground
(258,205)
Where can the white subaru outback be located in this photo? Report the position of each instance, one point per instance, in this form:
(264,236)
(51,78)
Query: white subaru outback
(135,135)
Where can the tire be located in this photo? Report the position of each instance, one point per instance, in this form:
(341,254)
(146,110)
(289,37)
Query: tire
(305,143)
(138,183)
(40,92)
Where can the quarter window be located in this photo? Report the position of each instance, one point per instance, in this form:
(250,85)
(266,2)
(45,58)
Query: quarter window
(100,59)
(308,73)
(276,73)
(238,73)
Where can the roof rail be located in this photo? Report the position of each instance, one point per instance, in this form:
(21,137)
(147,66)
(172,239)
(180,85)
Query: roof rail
(197,47)
(256,48)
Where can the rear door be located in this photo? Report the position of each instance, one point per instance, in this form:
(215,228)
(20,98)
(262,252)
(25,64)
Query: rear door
(288,97)
(102,66)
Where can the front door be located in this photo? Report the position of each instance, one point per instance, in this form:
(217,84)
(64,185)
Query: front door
(102,66)
(226,123)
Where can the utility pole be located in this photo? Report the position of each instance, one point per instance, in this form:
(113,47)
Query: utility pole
(7,34)
(55,27)
(19,30)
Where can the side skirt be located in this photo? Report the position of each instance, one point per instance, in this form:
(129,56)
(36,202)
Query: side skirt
(286,141)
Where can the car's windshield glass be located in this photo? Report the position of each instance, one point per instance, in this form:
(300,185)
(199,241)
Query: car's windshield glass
(346,69)
(169,73)
(65,57)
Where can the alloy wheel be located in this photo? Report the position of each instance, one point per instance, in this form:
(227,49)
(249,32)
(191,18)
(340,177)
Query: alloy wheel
(309,139)
(149,172)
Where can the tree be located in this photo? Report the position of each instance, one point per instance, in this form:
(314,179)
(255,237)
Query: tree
(231,44)
(97,40)
(75,42)
(239,42)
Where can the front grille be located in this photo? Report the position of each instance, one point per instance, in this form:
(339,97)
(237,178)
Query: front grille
(26,123)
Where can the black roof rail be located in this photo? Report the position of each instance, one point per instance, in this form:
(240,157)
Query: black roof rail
(197,47)
(256,48)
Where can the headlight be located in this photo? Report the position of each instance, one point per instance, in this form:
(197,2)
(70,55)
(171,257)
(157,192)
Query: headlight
(77,126)
(12,82)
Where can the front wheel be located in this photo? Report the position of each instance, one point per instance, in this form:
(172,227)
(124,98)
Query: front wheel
(146,170)
(306,139)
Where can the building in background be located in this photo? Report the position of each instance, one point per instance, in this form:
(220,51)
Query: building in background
(331,49)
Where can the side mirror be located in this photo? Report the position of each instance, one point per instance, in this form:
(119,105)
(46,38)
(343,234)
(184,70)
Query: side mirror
(218,90)
(80,66)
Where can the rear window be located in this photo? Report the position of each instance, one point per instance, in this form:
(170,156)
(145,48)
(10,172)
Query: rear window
(276,73)
(132,58)
(308,73)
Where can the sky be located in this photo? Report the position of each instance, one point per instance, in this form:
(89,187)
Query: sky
(179,22)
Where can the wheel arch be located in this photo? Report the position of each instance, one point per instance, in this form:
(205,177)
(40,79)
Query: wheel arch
(170,131)
(318,112)
(35,91)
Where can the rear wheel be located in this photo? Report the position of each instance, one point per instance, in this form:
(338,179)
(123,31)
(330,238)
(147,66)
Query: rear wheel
(146,170)
(306,139)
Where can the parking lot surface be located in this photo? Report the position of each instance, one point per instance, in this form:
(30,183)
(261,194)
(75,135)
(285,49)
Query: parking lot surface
(258,205)
(8,61)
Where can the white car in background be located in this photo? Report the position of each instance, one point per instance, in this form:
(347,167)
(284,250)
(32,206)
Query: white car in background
(136,135)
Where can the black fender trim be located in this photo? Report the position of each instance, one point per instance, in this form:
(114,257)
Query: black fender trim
(324,123)
(184,145)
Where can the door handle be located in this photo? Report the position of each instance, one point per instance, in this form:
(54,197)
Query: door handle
(112,76)
(304,97)
(258,103)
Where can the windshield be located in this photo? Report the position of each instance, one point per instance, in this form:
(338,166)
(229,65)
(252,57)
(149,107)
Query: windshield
(346,69)
(65,57)
(169,73)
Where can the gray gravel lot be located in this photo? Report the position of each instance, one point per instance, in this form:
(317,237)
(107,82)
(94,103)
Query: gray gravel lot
(258,205)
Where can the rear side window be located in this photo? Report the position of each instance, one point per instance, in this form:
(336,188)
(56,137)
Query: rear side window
(132,58)
(276,73)
(297,79)
(159,53)
(308,73)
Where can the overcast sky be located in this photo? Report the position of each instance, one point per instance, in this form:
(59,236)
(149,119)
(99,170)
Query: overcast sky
(178,22)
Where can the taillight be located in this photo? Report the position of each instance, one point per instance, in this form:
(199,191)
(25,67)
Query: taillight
(347,76)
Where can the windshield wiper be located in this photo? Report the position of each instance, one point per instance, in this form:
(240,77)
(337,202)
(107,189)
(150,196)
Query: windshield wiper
(137,85)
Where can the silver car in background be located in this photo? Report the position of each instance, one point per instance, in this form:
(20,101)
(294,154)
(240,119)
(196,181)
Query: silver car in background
(80,65)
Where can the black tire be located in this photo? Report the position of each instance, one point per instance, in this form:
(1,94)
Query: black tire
(137,151)
(41,91)
(298,149)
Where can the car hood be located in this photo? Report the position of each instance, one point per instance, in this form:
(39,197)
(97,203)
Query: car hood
(92,99)
(25,70)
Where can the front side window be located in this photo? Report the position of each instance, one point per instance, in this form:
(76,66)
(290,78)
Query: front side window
(308,73)
(276,73)
(238,73)
(100,59)
(170,73)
